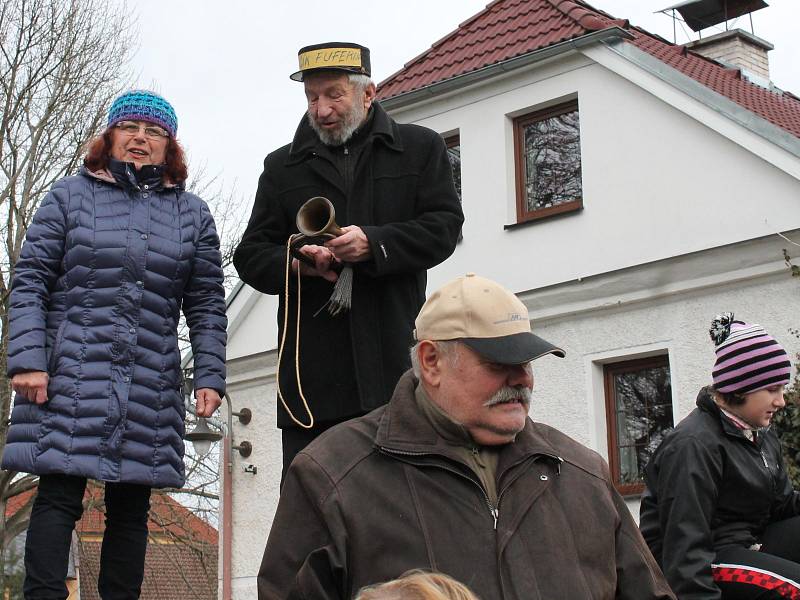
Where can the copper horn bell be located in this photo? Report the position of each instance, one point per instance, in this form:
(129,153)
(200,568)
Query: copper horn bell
(317,217)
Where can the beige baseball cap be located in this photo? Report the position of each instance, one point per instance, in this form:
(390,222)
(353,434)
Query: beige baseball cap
(486,317)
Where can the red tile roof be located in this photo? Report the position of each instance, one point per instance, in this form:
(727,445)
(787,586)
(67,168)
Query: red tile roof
(507,29)
(19,501)
(172,571)
(181,560)
(168,520)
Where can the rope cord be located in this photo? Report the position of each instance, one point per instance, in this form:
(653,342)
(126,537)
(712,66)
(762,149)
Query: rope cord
(297,342)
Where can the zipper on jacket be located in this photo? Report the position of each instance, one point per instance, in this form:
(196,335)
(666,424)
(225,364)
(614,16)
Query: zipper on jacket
(764,458)
(494,511)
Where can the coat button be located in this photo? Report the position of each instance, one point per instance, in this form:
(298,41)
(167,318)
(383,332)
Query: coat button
(140,283)
(132,330)
(145,195)
(543,477)
(126,379)
(143,236)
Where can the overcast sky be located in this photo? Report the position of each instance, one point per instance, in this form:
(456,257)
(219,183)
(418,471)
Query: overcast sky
(224,65)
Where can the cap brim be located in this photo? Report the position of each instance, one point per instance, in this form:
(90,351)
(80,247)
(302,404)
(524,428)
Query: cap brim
(299,75)
(514,349)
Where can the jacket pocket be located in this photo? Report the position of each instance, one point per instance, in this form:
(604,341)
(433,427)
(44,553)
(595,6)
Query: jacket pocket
(54,351)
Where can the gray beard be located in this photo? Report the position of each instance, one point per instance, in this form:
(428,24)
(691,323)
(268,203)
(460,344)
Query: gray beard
(350,123)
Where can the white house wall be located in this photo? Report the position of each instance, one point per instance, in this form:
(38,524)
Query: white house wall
(568,393)
(658,250)
(251,384)
(253,324)
(657,183)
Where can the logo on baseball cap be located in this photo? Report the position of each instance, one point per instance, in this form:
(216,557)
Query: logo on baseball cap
(486,317)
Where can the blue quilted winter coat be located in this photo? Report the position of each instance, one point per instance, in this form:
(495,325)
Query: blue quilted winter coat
(97,292)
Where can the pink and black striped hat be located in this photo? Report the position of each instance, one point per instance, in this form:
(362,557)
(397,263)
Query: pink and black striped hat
(748,358)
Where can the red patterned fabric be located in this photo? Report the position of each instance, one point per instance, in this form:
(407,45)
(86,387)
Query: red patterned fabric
(757,577)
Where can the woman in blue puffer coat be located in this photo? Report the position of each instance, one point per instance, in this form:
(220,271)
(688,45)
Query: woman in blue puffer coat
(112,256)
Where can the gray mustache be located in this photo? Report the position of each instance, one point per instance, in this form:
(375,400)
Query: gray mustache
(509,393)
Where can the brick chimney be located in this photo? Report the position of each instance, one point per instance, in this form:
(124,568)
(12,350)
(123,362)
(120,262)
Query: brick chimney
(737,48)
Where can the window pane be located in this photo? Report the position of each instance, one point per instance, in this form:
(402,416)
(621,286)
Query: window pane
(643,411)
(552,156)
(454,154)
(628,465)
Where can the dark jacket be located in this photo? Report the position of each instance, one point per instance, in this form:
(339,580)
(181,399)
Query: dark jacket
(402,196)
(97,292)
(382,494)
(709,487)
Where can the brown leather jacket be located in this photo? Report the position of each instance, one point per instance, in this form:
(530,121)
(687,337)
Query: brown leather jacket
(382,494)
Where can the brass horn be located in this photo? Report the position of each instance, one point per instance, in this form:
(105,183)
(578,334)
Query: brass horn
(316,223)
(317,217)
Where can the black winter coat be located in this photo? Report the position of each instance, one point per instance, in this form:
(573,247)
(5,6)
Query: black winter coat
(709,487)
(402,196)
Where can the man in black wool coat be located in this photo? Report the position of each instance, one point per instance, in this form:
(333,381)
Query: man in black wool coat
(392,190)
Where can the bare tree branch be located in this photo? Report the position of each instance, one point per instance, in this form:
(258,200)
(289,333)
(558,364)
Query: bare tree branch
(61,64)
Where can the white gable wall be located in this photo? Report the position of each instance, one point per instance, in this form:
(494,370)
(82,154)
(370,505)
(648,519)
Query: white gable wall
(656,182)
(253,324)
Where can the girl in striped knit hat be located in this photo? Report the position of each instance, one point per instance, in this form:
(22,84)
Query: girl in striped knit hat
(719,511)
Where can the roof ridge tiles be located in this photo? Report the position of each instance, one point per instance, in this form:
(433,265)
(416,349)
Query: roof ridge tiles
(474,17)
(587,18)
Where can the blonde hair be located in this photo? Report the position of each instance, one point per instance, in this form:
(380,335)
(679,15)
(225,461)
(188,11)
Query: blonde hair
(418,585)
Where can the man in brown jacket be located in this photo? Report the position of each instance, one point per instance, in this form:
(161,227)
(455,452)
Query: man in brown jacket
(453,476)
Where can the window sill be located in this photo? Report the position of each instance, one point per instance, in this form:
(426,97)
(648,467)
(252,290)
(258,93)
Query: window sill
(630,491)
(530,220)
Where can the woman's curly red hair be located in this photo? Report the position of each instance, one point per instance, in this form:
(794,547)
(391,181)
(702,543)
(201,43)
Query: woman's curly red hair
(99,152)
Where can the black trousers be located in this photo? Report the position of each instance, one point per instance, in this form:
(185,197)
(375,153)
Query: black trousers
(58,505)
(771,573)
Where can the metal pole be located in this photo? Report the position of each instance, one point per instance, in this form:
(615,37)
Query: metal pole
(227,505)
(674,28)
(726,15)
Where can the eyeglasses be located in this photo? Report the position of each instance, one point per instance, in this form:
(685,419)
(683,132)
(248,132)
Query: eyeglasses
(150,131)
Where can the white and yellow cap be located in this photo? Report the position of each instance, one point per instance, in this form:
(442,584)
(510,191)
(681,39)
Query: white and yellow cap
(486,317)
(336,56)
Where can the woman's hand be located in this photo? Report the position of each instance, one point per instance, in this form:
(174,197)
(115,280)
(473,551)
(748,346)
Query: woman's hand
(32,385)
(208,401)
